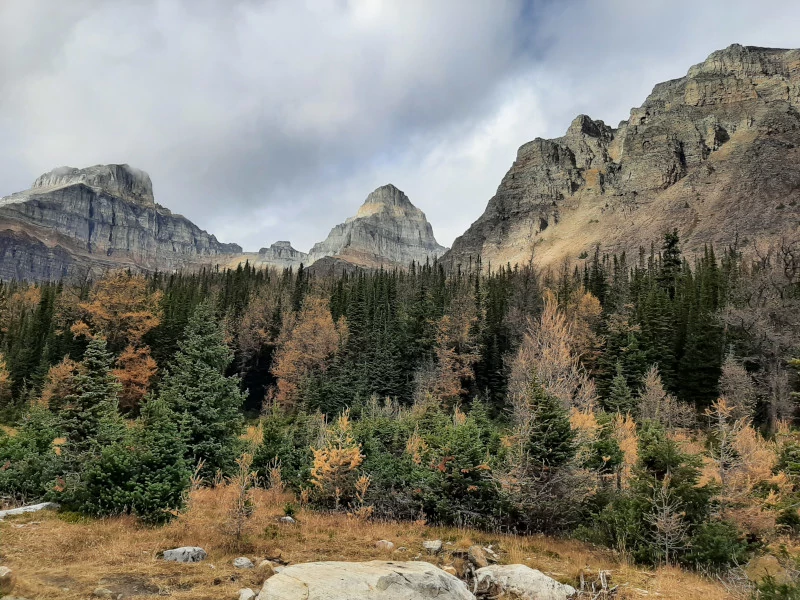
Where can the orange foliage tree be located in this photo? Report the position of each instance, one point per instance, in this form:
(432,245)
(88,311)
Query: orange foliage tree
(135,370)
(307,345)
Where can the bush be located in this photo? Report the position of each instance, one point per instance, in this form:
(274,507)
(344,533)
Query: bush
(28,460)
(716,546)
(145,474)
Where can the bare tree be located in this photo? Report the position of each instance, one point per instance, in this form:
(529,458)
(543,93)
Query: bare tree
(670,529)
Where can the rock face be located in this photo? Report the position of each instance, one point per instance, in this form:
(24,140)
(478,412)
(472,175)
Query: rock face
(74,222)
(281,255)
(715,154)
(364,581)
(386,230)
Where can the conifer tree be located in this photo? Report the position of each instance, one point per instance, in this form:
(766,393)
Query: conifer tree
(620,398)
(544,428)
(145,474)
(89,418)
(206,402)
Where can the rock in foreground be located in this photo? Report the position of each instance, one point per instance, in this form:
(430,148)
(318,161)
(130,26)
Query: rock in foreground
(519,581)
(364,581)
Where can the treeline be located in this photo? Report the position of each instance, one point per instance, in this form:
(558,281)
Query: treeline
(651,396)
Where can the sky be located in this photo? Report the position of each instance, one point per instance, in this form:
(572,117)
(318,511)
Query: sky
(265,120)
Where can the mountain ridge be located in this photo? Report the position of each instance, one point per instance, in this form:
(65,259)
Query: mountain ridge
(713,154)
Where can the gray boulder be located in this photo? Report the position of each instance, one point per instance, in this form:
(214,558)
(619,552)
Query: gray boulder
(433,546)
(185,554)
(372,580)
(519,581)
(27,509)
(243,563)
(246,594)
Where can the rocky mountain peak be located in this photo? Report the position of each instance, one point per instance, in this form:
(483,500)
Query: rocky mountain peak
(387,229)
(121,181)
(386,198)
(715,154)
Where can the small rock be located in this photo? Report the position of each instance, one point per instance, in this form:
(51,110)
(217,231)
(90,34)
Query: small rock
(402,549)
(266,569)
(477,557)
(491,554)
(102,592)
(384,545)
(450,569)
(243,563)
(432,546)
(246,594)
(7,581)
(185,554)
(287,520)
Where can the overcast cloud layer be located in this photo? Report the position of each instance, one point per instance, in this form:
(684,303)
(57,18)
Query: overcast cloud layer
(263,119)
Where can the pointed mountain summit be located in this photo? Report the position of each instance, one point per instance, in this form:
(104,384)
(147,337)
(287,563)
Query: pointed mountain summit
(387,230)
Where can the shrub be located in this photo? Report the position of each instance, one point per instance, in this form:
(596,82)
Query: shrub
(716,545)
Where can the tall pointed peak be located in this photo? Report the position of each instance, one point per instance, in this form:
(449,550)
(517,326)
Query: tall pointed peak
(389,195)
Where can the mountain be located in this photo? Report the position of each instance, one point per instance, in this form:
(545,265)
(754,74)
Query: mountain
(715,154)
(281,255)
(387,230)
(79,222)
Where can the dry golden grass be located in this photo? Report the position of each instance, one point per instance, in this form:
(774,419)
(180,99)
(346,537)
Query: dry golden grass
(63,558)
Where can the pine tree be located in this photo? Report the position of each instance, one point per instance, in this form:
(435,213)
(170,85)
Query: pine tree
(206,402)
(89,418)
(620,398)
(548,438)
(146,474)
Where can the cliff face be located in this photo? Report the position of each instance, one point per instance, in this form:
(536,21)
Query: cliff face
(715,154)
(75,222)
(387,230)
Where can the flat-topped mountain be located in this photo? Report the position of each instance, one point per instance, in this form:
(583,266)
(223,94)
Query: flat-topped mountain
(715,154)
(281,255)
(78,222)
(387,230)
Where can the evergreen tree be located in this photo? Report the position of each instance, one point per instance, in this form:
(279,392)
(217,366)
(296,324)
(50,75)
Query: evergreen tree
(146,474)
(89,417)
(206,402)
(620,398)
(550,441)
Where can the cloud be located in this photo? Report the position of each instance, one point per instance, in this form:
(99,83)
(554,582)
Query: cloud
(267,119)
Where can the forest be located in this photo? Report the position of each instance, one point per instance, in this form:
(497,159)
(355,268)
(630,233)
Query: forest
(645,403)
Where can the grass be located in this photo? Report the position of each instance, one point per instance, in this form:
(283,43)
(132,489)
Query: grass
(64,556)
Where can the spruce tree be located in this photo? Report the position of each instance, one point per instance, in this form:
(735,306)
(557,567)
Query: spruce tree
(550,440)
(145,474)
(620,398)
(206,402)
(89,418)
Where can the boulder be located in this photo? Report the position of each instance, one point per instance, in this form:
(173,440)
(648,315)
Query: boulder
(7,581)
(432,546)
(243,563)
(246,594)
(266,568)
(185,554)
(27,509)
(477,557)
(384,545)
(373,580)
(102,592)
(519,581)
(287,520)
